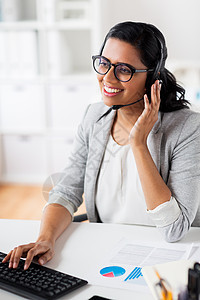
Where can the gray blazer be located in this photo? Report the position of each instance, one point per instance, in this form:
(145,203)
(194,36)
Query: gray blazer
(174,143)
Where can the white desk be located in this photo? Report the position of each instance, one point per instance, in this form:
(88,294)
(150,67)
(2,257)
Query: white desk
(79,249)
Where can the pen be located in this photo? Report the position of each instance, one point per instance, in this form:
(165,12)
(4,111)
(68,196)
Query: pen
(165,293)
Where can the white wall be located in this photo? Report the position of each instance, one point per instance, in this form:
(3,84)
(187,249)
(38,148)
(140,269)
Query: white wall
(178,20)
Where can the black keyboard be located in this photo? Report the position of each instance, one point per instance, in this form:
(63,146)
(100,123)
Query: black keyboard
(38,282)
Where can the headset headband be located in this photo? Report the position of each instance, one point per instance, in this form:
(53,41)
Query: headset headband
(160,62)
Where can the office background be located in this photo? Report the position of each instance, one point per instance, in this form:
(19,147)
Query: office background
(46,78)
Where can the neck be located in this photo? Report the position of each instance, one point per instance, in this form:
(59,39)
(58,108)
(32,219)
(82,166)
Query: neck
(126,120)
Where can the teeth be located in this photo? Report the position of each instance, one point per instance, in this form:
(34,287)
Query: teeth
(109,90)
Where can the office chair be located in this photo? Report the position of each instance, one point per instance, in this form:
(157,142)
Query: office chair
(80,218)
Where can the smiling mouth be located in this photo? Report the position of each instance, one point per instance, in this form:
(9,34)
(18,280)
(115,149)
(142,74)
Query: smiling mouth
(111,91)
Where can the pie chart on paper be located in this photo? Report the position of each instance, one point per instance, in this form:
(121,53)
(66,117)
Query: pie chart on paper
(112,271)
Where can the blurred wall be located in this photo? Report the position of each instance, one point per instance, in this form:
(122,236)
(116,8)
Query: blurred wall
(177,19)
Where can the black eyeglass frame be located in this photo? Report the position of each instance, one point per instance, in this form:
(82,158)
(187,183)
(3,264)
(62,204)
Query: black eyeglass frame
(133,70)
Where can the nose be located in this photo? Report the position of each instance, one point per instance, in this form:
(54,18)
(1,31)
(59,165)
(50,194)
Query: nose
(110,76)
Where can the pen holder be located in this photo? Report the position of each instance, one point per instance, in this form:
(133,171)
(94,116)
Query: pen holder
(192,291)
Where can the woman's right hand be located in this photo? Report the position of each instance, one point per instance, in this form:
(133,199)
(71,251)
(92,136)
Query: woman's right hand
(43,249)
(56,218)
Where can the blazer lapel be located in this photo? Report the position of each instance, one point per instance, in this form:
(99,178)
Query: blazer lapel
(154,142)
(100,136)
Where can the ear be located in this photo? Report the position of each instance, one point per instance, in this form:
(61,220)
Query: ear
(158,76)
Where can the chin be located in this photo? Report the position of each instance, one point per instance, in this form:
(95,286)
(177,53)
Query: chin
(109,101)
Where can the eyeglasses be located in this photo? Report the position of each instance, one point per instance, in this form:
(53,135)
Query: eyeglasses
(123,72)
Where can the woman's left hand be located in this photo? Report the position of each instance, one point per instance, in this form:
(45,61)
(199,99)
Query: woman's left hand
(145,122)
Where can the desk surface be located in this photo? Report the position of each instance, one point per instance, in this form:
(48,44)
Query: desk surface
(79,248)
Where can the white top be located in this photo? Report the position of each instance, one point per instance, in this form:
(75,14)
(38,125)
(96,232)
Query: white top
(119,195)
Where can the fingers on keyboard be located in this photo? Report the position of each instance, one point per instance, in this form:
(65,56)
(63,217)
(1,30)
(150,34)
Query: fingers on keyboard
(14,255)
(41,250)
(7,257)
(29,251)
(20,251)
(31,254)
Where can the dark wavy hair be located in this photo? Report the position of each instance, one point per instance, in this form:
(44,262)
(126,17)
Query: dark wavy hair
(149,40)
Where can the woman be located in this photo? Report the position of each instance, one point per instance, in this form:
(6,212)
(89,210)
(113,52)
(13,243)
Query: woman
(136,155)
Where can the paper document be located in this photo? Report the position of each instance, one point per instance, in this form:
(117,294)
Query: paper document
(122,266)
(195,252)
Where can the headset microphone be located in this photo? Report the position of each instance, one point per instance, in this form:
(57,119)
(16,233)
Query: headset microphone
(116,107)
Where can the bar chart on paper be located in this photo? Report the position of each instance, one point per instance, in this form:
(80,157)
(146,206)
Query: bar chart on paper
(135,277)
(136,273)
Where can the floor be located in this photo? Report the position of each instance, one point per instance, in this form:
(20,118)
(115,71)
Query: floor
(24,202)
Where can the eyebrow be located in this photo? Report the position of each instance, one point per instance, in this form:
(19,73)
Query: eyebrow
(117,63)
